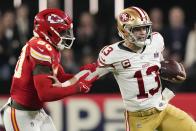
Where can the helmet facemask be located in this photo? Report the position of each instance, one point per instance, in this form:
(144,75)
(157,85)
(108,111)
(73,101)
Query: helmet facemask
(66,38)
(138,41)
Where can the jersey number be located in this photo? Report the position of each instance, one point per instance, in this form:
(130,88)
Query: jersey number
(18,68)
(142,92)
(106,50)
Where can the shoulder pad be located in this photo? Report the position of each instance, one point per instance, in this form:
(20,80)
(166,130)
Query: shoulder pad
(105,56)
(40,53)
(157,35)
(159,40)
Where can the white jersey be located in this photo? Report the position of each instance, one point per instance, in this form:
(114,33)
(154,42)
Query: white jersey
(136,73)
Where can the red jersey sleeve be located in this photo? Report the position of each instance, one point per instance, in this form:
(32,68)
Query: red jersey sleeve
(43,56)
(39,54)
(47,92)
(62,76)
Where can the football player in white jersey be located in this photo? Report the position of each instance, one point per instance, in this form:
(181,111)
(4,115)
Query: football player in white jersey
(135,63)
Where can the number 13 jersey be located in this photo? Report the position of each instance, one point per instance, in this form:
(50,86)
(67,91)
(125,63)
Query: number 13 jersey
(137,74)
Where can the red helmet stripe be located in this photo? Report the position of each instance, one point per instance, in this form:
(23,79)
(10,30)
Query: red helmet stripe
(140,12)
(144,13)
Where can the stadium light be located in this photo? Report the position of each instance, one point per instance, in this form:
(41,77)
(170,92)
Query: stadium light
(118,6)
(68,7)
(93,5)
(42,4)
(17,3)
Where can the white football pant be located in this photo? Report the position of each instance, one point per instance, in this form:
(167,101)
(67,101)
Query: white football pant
(19,120)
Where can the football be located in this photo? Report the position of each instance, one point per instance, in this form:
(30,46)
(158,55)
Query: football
(171,69)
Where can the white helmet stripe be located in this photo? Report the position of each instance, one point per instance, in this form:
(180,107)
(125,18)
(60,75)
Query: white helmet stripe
(140,12)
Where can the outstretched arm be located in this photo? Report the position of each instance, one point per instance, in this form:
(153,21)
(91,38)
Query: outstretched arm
(48,92)
(95,70)
(61,75)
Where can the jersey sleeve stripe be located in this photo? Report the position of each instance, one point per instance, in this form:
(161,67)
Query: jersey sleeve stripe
(100,63)
(39,56)
(141,13)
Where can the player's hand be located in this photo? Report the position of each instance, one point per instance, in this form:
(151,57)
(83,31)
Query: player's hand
(183,77)
(92,67)
(55,80)
(84,85)
(174,80)
(178,78)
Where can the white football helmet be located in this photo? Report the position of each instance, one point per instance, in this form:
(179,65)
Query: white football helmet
(130,18)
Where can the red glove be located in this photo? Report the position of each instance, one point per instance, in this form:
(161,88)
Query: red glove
(83,85)
(79,85)
(92,67)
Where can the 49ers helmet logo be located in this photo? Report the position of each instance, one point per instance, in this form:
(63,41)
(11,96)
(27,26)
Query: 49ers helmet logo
(53,19)
(124,17)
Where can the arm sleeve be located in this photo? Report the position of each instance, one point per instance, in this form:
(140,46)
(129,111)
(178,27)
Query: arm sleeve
(47,92)
(40,57)
(104,63)
(98,72)
(62,76)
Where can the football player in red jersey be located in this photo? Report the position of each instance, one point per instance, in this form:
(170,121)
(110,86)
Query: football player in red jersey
(40,58)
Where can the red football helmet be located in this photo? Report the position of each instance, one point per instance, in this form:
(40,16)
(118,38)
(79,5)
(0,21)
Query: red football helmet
(54,26)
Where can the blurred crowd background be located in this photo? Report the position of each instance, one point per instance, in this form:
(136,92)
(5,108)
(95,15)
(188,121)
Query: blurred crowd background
(175,20)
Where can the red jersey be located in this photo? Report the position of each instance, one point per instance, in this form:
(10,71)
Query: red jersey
(36,51)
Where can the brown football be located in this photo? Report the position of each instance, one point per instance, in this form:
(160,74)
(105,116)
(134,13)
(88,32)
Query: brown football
(171,69)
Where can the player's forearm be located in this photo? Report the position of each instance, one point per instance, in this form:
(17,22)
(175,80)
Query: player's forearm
(99,72)
(95,70)
(62,76)
(56,93)
(47,92)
